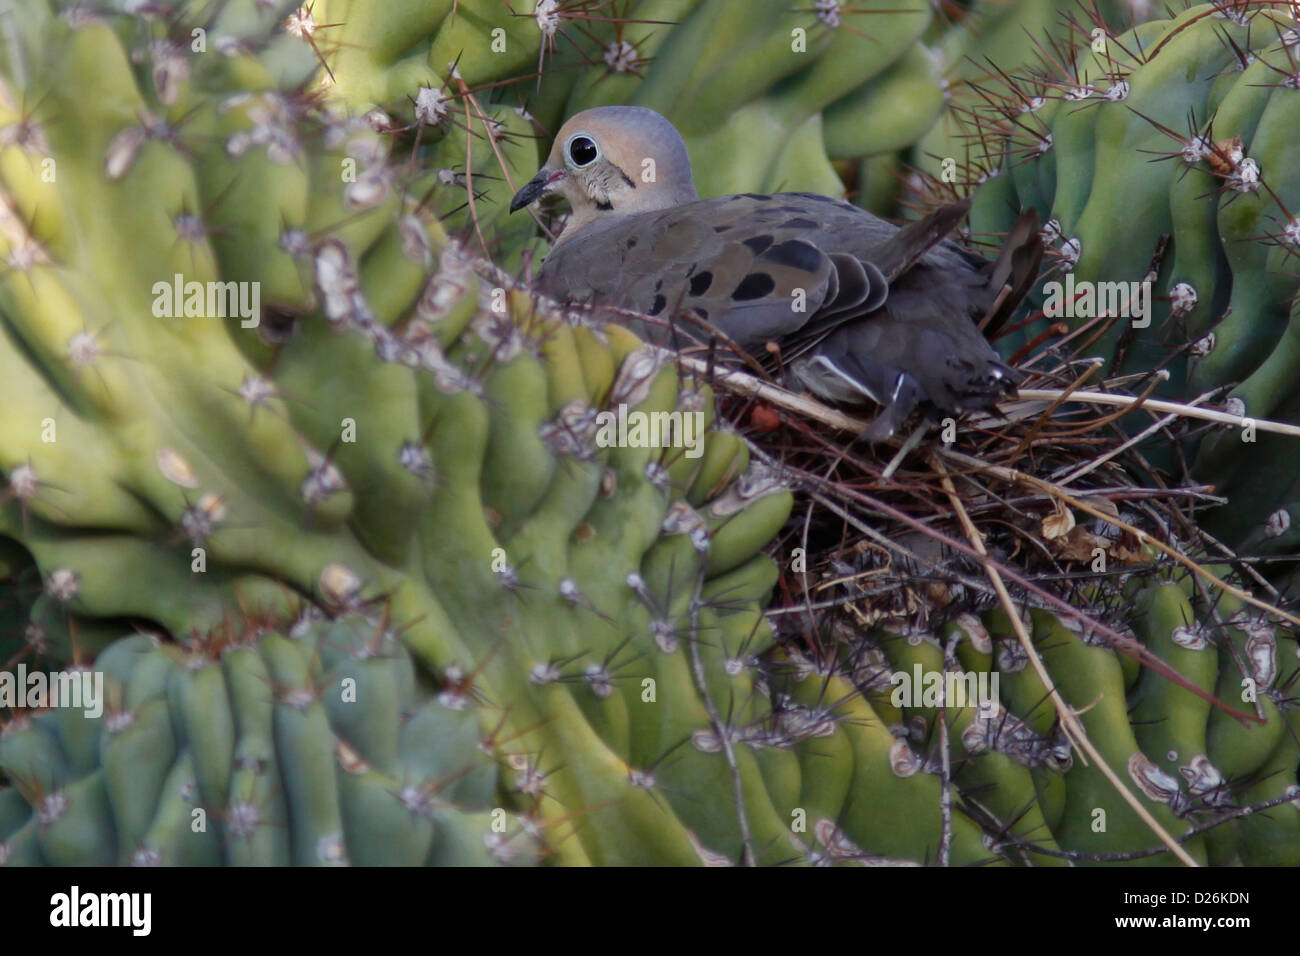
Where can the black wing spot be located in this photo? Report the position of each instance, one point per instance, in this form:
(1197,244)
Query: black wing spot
(700,283)
(702,313)
(658,305)
(799,223)
(755,196)
(723,228)
(631,242)
(795,254)
(754,286)
(757,244)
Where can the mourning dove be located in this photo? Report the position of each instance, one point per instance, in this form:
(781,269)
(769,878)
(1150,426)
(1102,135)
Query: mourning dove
(859,308)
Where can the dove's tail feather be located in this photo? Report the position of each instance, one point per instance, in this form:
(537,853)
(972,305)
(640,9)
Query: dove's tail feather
(1015,271)
(908,245)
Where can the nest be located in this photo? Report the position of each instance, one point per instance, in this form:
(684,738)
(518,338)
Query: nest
(1060,500)
(1056,500)
(1054,504)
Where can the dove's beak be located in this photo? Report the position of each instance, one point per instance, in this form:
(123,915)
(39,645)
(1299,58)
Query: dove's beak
(537,187)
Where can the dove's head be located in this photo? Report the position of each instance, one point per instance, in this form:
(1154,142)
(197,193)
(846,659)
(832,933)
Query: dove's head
(612,161)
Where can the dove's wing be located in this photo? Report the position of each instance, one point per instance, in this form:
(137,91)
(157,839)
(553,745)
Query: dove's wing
(859,307)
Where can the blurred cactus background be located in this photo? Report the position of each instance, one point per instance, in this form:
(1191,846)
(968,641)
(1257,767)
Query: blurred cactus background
(295,465)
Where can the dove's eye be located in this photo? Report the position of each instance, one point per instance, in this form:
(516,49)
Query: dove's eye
(582,150)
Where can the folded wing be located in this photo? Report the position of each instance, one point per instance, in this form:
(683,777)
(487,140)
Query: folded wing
(860,308)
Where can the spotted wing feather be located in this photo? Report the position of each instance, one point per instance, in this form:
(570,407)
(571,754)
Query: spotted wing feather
(859,307)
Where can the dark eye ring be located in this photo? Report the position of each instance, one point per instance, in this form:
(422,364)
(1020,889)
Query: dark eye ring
(583,150)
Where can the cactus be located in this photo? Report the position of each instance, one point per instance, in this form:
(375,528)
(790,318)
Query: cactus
(1109,138)
(1012,766)
(195,472)
(975,50)
(1179,129)
(771,70)
(259,731)
(841,85)
(306,747)
(396,600)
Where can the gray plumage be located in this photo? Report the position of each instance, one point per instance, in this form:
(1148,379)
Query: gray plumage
(859,308)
